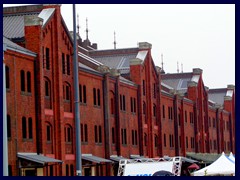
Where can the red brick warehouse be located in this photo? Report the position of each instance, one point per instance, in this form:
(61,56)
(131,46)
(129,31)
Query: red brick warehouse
(128,106)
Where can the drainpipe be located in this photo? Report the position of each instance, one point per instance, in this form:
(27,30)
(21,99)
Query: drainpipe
(5,143)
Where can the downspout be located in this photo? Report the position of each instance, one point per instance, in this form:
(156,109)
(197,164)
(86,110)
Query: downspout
(105,88)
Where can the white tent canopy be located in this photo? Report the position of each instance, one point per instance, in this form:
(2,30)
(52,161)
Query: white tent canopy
(222,166)
(231,156)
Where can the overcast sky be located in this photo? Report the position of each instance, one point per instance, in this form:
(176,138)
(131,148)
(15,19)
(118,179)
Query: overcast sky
(196,35)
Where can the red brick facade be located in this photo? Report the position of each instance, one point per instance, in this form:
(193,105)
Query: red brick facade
(132,114)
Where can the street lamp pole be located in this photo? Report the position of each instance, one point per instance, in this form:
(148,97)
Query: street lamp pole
(76,98)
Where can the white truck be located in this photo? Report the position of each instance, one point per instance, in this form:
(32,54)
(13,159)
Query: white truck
(149,166)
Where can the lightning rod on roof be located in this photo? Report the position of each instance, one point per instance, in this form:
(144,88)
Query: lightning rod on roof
(78,24)
(162,61)
(182,67)
(114,40)
(177,68)
(87,28)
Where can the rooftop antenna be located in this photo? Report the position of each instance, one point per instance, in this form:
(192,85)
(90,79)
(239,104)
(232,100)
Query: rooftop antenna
(114,40)
(182,67)
(162,60)
(86,29)
(78,24)
(177,68)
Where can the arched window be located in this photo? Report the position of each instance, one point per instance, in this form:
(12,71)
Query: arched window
(99,97)
(72,170)
(22,76)
(24,128)
(7,77)
(68,133)
(28,81)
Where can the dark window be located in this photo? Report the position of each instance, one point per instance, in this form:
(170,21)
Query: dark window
(144,108)
(154,90)
(185,116)
(186,142)
(49,134)
(145,139)
(113,135)
(100,134)
(133,137)
(63,64)
(155,140)
(121,102)
(67,170)
(28,81)
(131,99)
(84,94)
(24,128)
(99,97)
(154,110)
(68,65)
(96,134)
(47,59)
(9,170)
(164,140)
(72,170)
(94,96)
(163,111)
(112,106)
(134,105)
(47,88)
(86,132)
(80,93)
(9,134)
(124,103)
(7,76)
(136,141)
(30,134)
(143,85)
(43,57)
(22,74)
(124,136)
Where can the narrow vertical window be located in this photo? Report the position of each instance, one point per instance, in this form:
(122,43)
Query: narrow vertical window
(7,77)
(164,140)
(30,134)
(134,105)
(80,93)
(131,101)
(84,94)
(100,134)
(72,170)
(43,56)
(112,106)
(133,137)
(99,97)
(49,134)
(24,128)
(69,134)
(94,96)
(68,65)
(96,134)
(9,134)
(82,132)
(136,141)
(63,64)
(67,170)
(113,136)
(22,74)
(163,111)
(143,84)
(47,59)
(124,103)
(186,142)
(28,81)
(144,108)
(145,139)
(46,88)
(121,102)
(185,116)
(125,136)
(86,132)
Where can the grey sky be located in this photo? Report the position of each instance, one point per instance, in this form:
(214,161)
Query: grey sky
(196,35)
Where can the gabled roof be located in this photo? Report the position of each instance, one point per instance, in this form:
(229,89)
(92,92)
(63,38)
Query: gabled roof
(115,59)
(178,81)
(13,46)
(217,95)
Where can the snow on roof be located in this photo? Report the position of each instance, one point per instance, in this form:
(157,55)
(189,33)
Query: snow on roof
(142,55)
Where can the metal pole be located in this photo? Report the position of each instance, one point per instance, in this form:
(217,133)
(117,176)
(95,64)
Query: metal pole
(5,143)
(76,99)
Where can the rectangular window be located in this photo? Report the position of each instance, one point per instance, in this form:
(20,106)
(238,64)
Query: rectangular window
(9,126)
(113,136)
(63,64)
(30,135)
(186,142)
(185,116)
(94,96)
(49,133)
(143,86)
(24,128)
(99,97)
(47,59)
(100,134)
(7,77)
(96,134)
(164,140)
(84,94)
(86,132)
(68,65)
(163,112)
